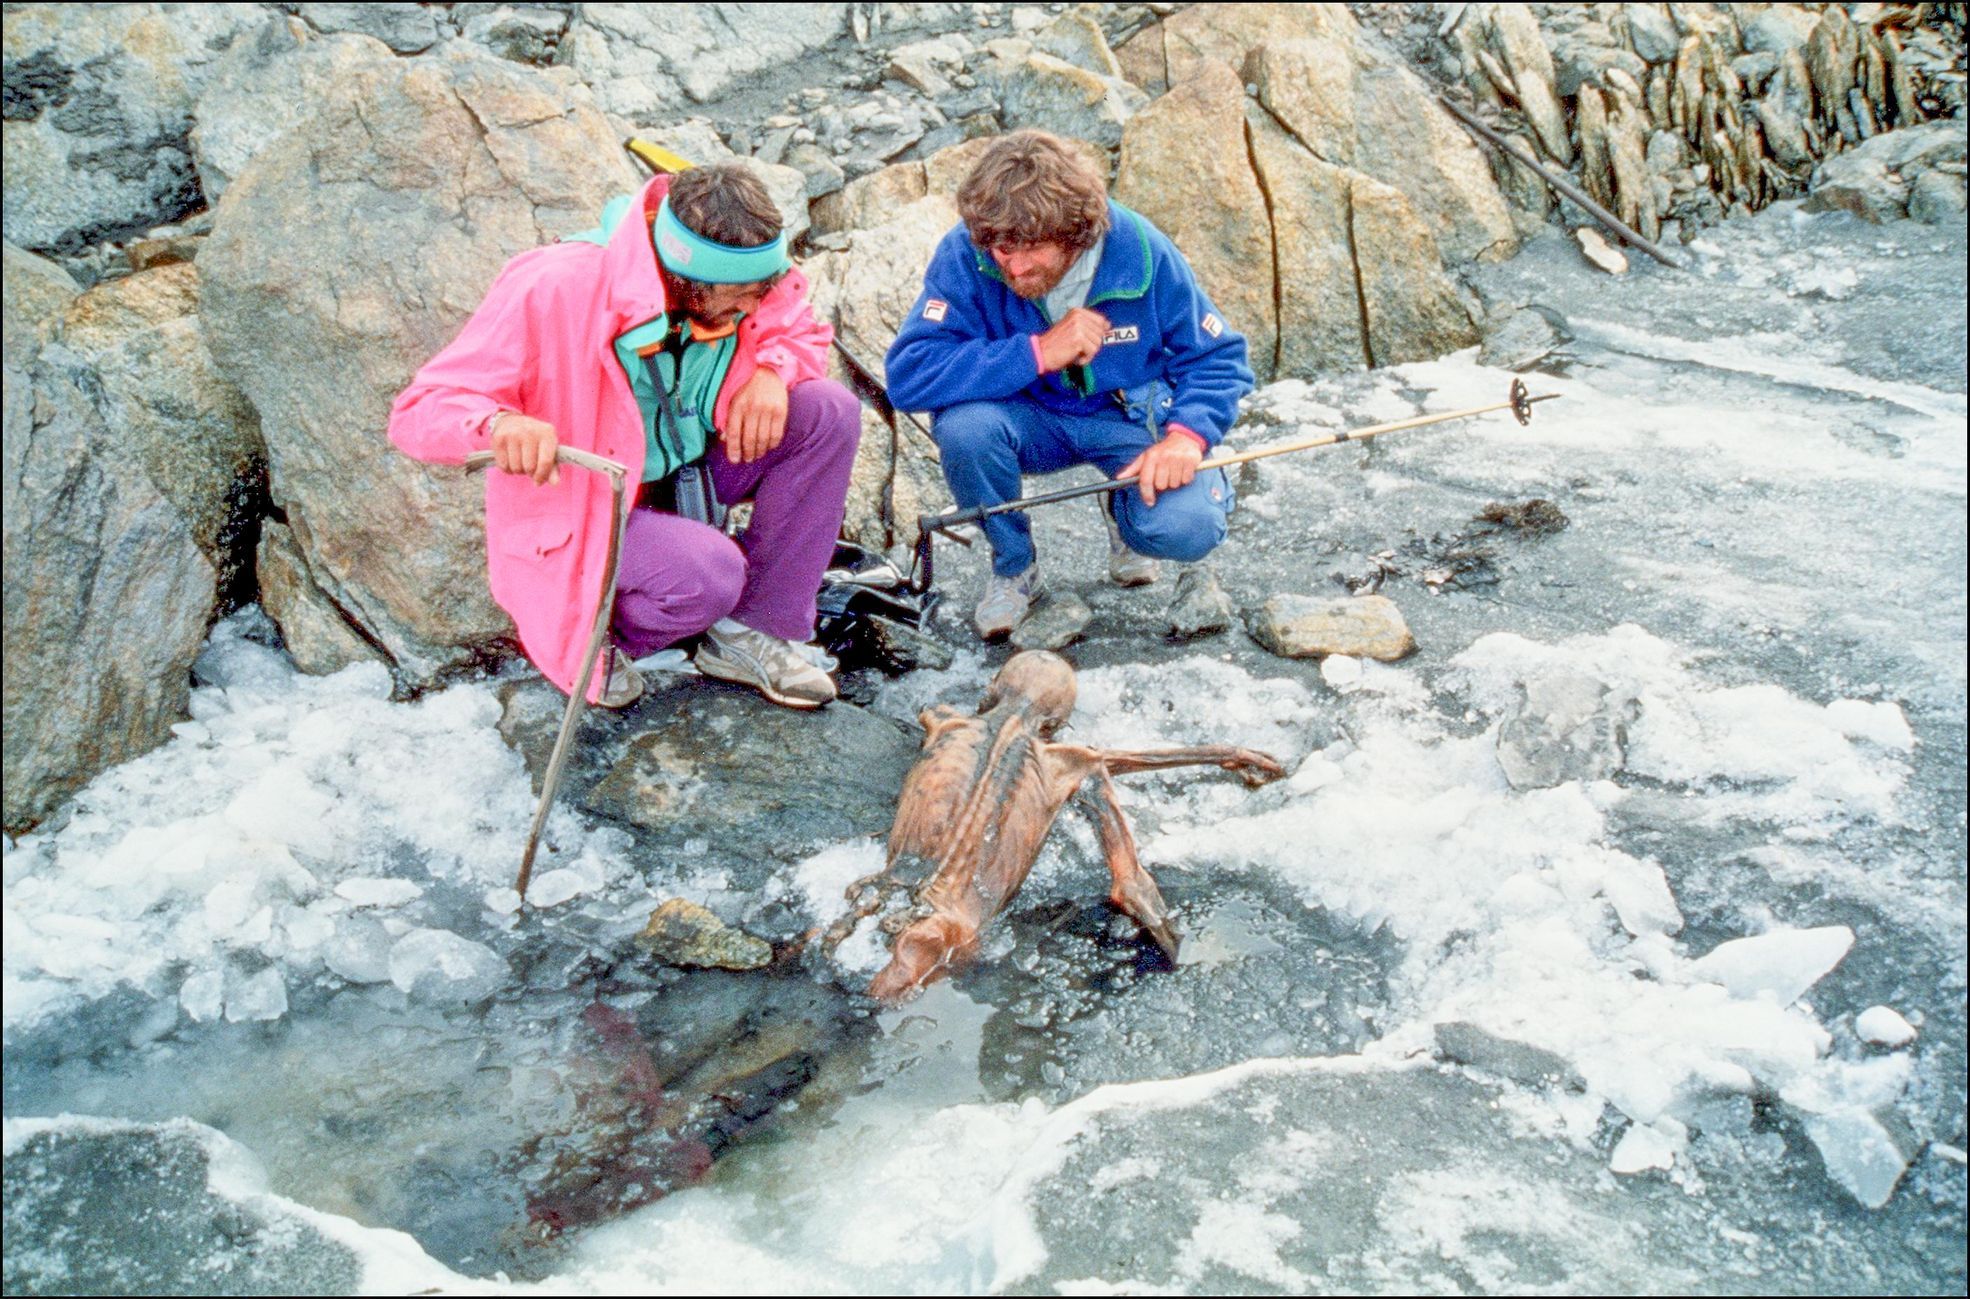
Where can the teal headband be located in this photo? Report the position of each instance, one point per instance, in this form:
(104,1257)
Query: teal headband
(691,256)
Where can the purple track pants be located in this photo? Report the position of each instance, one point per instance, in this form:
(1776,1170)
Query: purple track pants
(678,577)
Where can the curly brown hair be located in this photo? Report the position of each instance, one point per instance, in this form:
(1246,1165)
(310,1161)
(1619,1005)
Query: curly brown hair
(726,204)
(1031,188)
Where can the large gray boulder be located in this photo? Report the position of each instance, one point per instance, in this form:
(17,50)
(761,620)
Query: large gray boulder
(197,437)
(1185,165)
(98,104)
(264,86)
(339,263)
(1319,264)
(108,594)
(645,59)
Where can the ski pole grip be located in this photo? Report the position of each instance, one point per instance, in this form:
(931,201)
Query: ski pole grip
(562,455)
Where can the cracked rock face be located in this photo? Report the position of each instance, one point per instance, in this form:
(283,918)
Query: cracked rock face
(93,551)
(97,113)
(414,181)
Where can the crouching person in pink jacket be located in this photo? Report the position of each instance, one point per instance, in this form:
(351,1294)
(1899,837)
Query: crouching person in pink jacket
(676,340)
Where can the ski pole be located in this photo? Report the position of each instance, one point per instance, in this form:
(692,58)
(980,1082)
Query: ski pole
(1519,402)
(550,782)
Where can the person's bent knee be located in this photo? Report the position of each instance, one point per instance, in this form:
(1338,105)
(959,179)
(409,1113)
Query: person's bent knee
(1182,531)
(970,426)
(827,412)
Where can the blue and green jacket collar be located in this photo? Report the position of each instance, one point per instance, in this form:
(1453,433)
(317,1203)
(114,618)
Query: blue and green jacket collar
(1125,270)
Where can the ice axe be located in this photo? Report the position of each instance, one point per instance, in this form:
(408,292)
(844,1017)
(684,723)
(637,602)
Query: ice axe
(1519,402)
(577,700)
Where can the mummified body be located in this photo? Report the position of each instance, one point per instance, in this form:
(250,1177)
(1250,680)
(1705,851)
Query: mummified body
(977,807)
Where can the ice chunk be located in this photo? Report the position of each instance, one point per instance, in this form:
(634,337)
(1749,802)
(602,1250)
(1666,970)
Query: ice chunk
(1883,1027)
(1861,1153)
(1649,1145)
(371,892)
(1880,723)
(438,965)
(255,996)
(1781,964)
(203,995)
(554,887)
(502,901)
(1641,897)
(284,806)
(1341,671)
(360,950)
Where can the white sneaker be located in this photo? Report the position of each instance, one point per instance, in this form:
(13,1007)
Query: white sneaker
(1006,601)
(775,668)
(1125,566)
(624,686)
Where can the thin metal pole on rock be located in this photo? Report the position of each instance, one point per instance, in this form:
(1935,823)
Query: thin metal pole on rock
(551,780)
(1519,402)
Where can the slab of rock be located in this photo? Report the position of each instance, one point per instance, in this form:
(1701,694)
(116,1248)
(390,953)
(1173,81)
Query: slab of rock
(101,1206)
(107,592)
(644,59)
(139,344)
(316,634)
(1200,607)
(1186,167)
(1319,304)
(1077,39)
(1040,90)
(1521,340)
(1058,622)
(1300,626)
(711,773)
(416,180)
(99,101)
(685,934)
(1874,181)
(1562,729)
(1413,309)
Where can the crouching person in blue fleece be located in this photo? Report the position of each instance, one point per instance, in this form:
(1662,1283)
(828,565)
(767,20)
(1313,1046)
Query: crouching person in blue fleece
(1057,328)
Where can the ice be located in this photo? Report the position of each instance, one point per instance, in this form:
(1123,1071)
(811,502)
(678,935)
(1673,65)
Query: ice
(438,965)
(1648,1145)
(360,950)
(364,892)
(1883,1026)
(552,888)
(255,996)
(203,995)
(1340,671)
(1860,1153)
(1780,965)
(821,881)
(1882,722)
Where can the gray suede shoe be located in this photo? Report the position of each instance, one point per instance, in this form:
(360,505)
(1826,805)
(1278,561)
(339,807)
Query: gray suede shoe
(1125,567)
(1006,601)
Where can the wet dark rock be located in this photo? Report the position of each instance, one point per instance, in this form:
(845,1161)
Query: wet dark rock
(1058,622)
(1200,608)
(128,1208)
(708,770)
(1522,1063)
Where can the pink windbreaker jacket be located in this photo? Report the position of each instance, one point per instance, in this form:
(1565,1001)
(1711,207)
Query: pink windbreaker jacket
(543,344)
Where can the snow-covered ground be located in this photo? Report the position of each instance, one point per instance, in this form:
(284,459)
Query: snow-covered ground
(1713,962)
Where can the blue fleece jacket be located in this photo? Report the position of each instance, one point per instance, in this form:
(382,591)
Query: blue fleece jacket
(1168,355)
